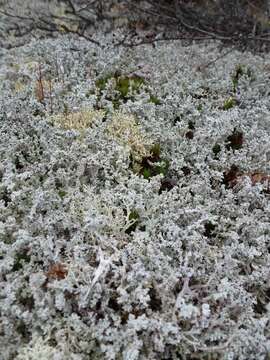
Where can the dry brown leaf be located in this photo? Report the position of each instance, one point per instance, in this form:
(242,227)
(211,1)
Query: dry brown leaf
(259,178)
(234,177)
(57,271)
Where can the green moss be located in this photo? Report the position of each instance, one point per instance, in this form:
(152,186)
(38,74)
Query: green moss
(163,168)
(62,193)
(152,165)
(128,84)
(155,151)
(154,100)
(102,82)
(125,86)
(134,217)
(147,173)
(240,71)
(229,103)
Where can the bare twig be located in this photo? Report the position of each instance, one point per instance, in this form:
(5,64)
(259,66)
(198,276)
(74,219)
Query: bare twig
(40,87)
(50,97)
(228,21)
(221,56)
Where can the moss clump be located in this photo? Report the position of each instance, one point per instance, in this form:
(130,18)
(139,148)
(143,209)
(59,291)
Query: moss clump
(102,82)
(238,73)
(125,87)
(129,84)
(62,193)
(134,219)
(155,151)
(162,169)
(146,173)
(154,100)
(229,103)
(152,165)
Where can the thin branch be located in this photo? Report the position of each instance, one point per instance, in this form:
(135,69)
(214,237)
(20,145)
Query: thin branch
(203,67)
(40,88)
(64,27)
(172,38)
(14,16)
(72,7)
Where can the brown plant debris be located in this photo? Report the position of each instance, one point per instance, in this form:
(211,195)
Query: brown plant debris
(57,271)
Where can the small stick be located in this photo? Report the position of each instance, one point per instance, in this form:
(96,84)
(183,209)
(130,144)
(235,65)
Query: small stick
(203,67)
(50,96)
(40,88)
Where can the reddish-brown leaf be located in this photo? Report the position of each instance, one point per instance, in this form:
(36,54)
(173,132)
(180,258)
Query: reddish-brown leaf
(57,271)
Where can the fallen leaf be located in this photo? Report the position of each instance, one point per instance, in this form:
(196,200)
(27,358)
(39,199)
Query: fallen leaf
(57,271)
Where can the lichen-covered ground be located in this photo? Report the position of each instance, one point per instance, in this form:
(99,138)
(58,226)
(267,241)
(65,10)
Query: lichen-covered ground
(134,202)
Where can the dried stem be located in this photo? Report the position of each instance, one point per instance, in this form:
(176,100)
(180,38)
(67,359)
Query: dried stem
(40,87)
(50,97)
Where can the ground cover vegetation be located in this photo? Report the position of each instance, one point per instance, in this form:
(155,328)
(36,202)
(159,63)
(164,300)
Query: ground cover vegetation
(134,198)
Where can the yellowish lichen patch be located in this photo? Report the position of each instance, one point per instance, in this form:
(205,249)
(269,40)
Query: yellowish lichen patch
(79,120)
(19,86)
(125,129)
